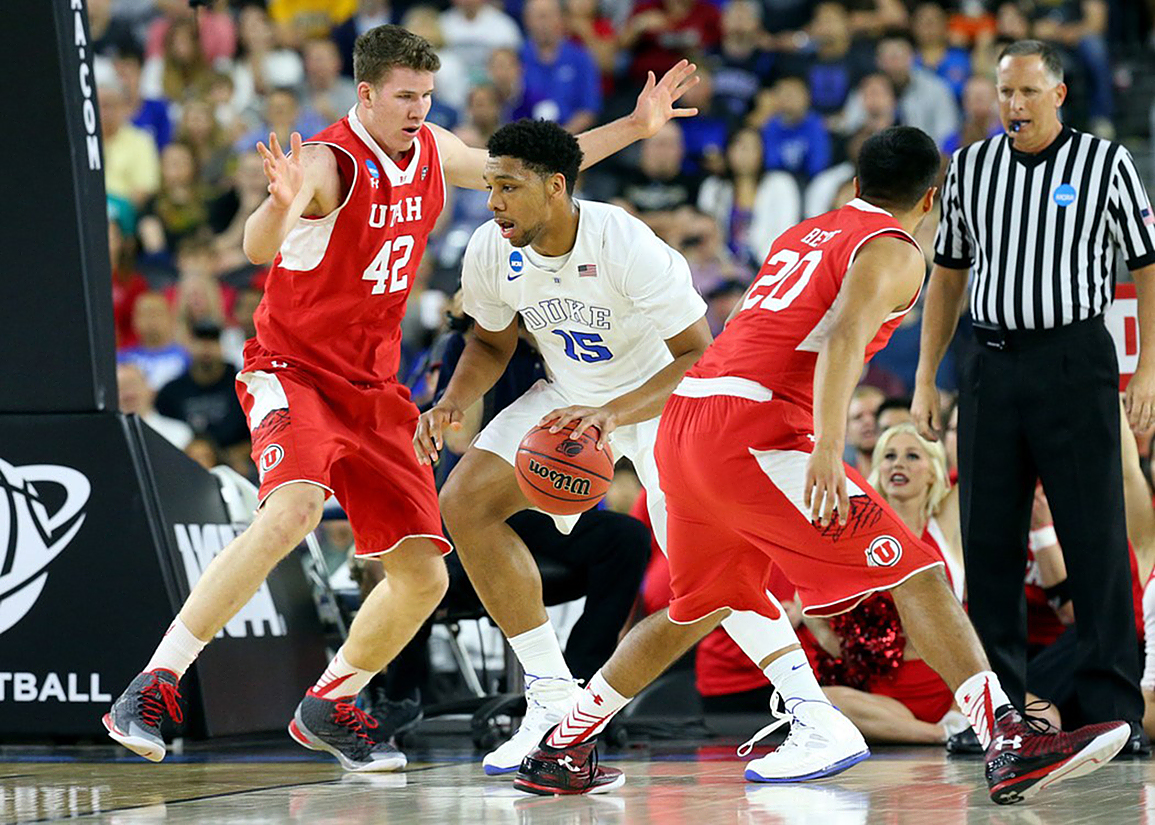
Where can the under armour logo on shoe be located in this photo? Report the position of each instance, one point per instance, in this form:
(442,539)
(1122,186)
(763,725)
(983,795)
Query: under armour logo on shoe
(568,764)
(280,364)
(1013,744)
(597,699)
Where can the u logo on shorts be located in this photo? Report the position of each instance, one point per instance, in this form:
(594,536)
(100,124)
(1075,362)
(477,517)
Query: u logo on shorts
(884,551)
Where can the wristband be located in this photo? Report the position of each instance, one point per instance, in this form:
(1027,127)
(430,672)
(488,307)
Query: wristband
(1043,537)
(1057,594)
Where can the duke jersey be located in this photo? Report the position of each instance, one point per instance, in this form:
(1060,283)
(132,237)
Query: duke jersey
(336,292)
(786,315)
(599,315)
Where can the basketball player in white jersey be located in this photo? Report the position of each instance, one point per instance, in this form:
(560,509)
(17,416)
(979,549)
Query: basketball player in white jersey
(614,313)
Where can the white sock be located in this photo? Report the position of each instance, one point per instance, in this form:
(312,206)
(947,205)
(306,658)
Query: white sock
(791,674)
(542,660)
(980,697)
(595,707)
(177,650)
(341,680)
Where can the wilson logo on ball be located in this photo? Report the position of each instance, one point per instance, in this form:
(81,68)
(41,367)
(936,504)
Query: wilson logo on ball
(561,481)
(569,448)
(884,551)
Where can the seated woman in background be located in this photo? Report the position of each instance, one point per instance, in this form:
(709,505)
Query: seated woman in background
(874,675)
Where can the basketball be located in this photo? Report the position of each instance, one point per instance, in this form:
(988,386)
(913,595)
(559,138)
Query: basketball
(561,475)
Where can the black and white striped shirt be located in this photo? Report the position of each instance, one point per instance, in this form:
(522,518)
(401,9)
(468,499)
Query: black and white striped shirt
(1042,231)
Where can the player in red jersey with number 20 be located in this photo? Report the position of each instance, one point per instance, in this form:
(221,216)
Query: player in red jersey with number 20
(347,219)
(749,455)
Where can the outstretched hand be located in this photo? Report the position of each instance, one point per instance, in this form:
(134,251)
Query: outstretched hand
(285,173)
(655,104)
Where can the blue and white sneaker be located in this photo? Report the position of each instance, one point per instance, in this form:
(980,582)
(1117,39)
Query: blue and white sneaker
(821,742)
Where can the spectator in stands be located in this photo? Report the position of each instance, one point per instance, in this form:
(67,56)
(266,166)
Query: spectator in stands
(874,17)
(216,34)
(137,397)
(211,148)
(453,80)
(750,205)
(197,296)
(205,395)
(299,21)
(836,64)
(924,99)
(659,33)
(127,283)
(934,52)
(505,72)
(705,134)
(283,115)
(893,411)
(741,65)
(369,15)
(862,426)
(178,210)
(179,69)
(699,238)
(131,164)
(658,185)
(560,75)
(875,677)
(822,192)
(229,211)
(204,452)
(473,29)
(796,140)
(108,36)
(482,116)
(1081,27)
(1011,24)
(327,92)
(149,114)
(980,115)
(587,26)
(261,66)
(233,337)
(156,352)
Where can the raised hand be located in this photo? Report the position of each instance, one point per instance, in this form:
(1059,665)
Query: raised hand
(655,104)
(285,173)
(428,438)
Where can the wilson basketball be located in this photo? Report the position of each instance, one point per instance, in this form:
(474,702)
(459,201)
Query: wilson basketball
(561,475)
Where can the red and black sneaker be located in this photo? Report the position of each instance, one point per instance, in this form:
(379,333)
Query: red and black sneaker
(572,770)
(1027,755)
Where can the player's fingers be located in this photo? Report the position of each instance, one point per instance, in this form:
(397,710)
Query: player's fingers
(275,146)
(684,87)
(650,82)
(827,502)
(843,503)
(685,112)
(563,420)
(550,416)
(295,144)
(263,150)
(583,423)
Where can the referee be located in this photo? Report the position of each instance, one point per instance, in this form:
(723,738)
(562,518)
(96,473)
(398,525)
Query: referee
(1039,214)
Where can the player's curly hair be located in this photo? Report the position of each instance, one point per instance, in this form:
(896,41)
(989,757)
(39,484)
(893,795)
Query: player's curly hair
(383,48)
(544,147)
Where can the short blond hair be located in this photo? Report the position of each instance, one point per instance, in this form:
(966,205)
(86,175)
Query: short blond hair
(940,483)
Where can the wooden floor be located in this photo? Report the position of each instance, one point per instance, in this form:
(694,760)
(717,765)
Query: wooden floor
(669,785)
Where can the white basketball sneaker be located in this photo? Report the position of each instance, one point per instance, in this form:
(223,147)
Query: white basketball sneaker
(821,742)
(547,700)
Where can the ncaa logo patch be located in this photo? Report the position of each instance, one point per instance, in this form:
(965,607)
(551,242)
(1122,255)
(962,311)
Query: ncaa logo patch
(374,173)
(1064,194)
(516,261)
(884,551)
(271,456)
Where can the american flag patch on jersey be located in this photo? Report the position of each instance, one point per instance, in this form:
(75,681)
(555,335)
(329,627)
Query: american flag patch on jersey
(1148,218)
(587,271)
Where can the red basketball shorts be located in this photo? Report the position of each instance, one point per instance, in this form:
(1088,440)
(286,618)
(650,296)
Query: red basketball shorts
(733,472)
(355,441)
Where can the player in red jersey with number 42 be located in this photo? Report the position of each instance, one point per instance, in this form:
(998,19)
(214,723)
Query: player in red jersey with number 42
(749,455)
(347,219)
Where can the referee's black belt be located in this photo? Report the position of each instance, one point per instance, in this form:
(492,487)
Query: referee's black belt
(999,338)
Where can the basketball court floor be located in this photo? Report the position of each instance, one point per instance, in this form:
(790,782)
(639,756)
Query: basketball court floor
(271,781)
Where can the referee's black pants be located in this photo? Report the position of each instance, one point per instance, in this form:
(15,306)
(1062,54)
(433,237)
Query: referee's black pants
(1047,406)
